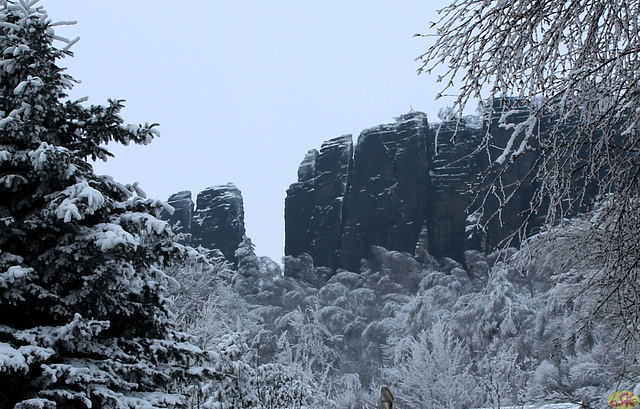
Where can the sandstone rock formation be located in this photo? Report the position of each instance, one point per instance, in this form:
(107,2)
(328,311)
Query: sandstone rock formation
(406,187)
(182,215)
(387,190)
(314,205)
(217,221)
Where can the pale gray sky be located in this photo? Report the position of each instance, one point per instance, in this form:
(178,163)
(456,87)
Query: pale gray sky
(243,89)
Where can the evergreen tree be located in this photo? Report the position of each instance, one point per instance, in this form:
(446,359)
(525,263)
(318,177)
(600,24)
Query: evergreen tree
(83,318)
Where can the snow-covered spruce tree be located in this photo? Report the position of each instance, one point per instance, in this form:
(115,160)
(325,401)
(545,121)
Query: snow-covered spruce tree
(83,320)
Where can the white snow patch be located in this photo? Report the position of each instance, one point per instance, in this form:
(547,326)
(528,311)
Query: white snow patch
(11,360)
(12,274)
(110,235)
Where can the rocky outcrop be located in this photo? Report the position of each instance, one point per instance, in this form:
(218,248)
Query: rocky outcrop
(217,221)
(406,188)
(314,208)
(347,200)
(453,170)
(182,214)
(388,189)
(518,181)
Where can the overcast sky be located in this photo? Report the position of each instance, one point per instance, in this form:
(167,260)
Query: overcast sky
(243,89)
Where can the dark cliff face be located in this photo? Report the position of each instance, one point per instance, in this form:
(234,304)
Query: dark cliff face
(182,215)
(217,221)
(314,205)
(408,188)
(344,201)
(388,188)
(453,170)
(518,180)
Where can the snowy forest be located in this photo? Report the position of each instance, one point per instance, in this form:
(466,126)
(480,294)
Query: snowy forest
(102,307)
